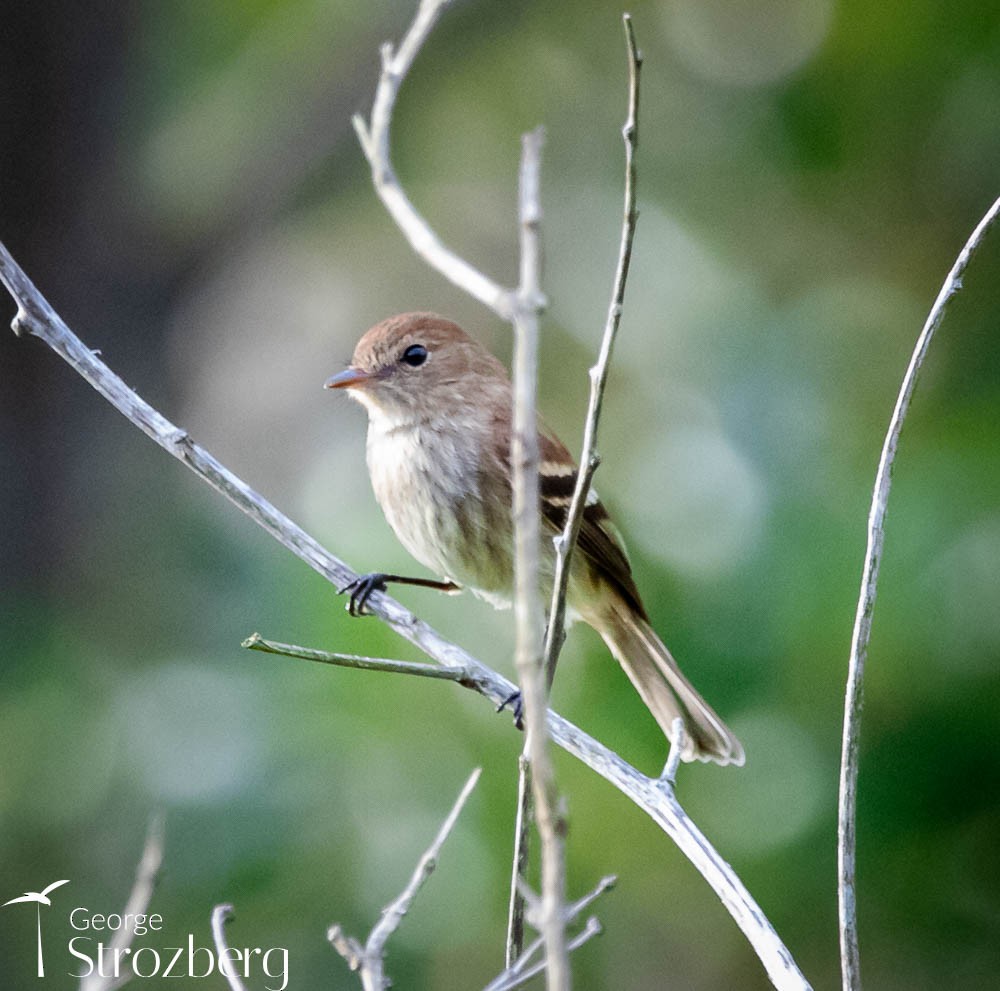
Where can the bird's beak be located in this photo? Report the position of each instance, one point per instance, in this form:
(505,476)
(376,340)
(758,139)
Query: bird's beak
(347,379)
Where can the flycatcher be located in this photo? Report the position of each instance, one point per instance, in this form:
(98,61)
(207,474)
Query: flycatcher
(439,437)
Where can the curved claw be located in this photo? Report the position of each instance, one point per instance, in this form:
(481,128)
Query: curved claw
(516,705)
(360,591)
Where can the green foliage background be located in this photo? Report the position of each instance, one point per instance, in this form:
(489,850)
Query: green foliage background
(182,181)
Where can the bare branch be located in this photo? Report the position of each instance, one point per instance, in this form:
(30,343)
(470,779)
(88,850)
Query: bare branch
(374,138)
(524,967)
(522,826)
(146,875)
(347,946)
(576,908)
(393,914)
(589,459)
(677,740)
(369,958)
(529,615)
(221,914)
(847,815)
(35,316)
(256,642)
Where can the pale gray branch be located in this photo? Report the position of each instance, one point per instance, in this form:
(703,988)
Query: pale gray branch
(374,139)
(847,813)
(36,317)
(589,458)
(368,960)
(146,875)
(529,614)
(519,866)
(525,966)
(256,642)
(677,739)
(221,914)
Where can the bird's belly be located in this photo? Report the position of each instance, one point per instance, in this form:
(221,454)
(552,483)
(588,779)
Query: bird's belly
(433,500)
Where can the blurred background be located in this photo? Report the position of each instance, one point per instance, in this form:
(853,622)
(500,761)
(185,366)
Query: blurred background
(183,183)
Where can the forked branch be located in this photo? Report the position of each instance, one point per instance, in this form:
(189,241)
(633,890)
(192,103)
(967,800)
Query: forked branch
(369,959)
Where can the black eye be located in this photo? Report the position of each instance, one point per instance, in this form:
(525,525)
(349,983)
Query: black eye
(415,355)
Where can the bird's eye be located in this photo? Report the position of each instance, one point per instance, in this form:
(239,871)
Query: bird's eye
(415,355)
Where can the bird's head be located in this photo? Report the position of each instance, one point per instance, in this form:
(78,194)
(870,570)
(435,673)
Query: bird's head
(418,365)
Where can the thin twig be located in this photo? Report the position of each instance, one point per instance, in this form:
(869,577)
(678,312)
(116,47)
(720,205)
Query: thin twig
(589,458)
(256,642)
(36,317)
(523,966)
(374,139)
(529,615)
(605,884)
(847,814)
(677,740)
(393,914)
(370,959)
(221,914)
(508,980)
(146,875)
(519,867)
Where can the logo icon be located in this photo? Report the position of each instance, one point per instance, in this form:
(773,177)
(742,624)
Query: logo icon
(40,898)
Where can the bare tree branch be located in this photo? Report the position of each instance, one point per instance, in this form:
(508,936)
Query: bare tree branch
(529,616)
(847,815)
(677,739)
(221,914)
(374,139)
(589,459)
(564,544)
(146,875)
(519,866)
(524,967)
(36,317)
(368,959)
(256,642)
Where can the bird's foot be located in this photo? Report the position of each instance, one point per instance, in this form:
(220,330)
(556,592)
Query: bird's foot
(516,706)
(360,591)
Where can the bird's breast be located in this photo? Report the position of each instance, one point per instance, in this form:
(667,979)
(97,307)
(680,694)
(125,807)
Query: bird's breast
(433,488)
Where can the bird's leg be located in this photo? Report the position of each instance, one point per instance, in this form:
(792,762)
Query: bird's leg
(360,590)
(515,703)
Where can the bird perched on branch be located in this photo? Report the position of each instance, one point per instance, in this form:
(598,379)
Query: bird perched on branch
(439,438)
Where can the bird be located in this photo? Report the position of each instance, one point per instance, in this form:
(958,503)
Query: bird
(439,407)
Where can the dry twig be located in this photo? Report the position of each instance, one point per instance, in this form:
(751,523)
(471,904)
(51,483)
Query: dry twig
(526,966)
(222,914)
(847,815)
(589,458)
(368,960)
(529,615)
(374,139)
(146,875)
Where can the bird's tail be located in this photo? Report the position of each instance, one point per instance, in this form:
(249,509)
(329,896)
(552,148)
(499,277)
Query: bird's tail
(664,689)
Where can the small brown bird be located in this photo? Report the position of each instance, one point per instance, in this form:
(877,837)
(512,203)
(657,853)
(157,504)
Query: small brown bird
(439,431)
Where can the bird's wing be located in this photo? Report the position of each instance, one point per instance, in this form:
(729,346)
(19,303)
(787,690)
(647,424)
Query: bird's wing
(28,896)
(599,538)
(53,886)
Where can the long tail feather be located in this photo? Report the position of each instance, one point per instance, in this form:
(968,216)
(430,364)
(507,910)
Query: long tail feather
(665,690)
